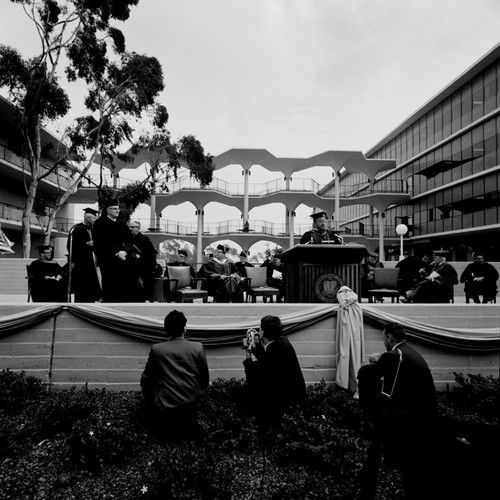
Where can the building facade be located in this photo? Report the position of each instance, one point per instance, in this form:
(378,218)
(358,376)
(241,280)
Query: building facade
(448,153)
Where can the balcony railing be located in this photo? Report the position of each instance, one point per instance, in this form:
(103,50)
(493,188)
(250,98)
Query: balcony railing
(93,180)
(366,188)
(238,189)
(61,177)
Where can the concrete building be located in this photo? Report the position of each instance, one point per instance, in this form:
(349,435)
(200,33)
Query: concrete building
(438,173)
(448,155)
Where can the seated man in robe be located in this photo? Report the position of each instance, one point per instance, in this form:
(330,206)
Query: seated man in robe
(437,286)
(47,277)
(480,278)
(182,260)
(274,273)
(223,277)
(367,274)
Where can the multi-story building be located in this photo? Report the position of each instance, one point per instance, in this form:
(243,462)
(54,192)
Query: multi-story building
(13,181)
(438,173)
(448,153)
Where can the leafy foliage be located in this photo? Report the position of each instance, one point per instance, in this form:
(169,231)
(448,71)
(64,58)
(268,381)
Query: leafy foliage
(94,444)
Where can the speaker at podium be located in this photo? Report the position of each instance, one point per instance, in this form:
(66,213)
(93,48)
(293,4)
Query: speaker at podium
(315,273)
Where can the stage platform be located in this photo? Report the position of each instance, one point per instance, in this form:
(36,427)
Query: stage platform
(69,347)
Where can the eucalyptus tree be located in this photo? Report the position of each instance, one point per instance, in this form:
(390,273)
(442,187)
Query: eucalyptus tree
(76,37)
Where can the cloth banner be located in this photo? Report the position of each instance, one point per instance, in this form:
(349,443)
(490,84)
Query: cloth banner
(350,341)
(232,333)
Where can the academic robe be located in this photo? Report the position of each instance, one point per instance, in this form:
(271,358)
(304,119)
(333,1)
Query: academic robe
(120,278)
(85,276)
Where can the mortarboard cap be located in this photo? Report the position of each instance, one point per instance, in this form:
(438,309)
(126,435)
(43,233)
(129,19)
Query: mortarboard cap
(243,254)
(183,252)
(222,248)
(44,248)
(89,210)
(113,202)
(441,253)
(317,214)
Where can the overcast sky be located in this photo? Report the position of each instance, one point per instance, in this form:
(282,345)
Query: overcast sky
(297,77)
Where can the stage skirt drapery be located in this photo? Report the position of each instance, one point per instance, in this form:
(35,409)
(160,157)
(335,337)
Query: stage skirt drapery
(231,333)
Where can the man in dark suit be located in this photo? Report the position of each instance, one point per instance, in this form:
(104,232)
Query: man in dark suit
(396,390)
(173,381)
(275,380)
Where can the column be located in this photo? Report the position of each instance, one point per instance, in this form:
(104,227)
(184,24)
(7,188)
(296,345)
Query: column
(152,213)
(246,174)
(291,228)
(381,253)
(199,236)
(337,200)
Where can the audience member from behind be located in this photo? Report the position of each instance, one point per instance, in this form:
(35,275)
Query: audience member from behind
(274,378)
(173,381)
(480,278)
(145,256)
(47,277)
(396,390)
(437,285)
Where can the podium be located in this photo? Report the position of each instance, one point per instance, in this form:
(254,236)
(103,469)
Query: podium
(314,273)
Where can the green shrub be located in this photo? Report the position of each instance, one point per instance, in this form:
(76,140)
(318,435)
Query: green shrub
(87,445)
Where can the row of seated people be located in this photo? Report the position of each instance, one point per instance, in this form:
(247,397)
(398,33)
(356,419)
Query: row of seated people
(426,280)
(226,281)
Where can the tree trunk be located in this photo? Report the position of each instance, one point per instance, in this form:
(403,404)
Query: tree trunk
(26,218)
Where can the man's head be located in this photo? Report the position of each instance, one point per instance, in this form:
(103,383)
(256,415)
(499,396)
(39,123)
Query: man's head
(319,220)
(243,257)
(175,324)
(479,258)
(89,216)
(440,256)
(271,327)
(134,226)
(393,334)
(221,250)
(45,252)
(112,209)
(183,255)
(372,259)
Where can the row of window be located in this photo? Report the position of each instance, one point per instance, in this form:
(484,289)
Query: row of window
(467,104)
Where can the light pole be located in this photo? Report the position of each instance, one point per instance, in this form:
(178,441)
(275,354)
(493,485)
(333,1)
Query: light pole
(401,229)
